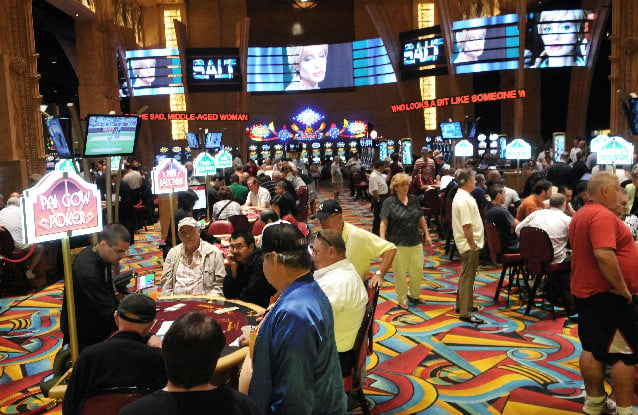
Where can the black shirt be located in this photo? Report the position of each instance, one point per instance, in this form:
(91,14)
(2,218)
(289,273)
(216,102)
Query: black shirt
(95,300)
(220,401)
(123,360)
(503,220)
(403,221)
(250,284)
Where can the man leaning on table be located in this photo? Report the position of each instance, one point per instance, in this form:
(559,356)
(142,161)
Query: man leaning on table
(362,246)
(194,266)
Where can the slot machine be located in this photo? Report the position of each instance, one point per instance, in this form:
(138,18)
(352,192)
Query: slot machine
(493,146)
(327,149)
(177,153)
(502,144)
(353,147)
(383,150)
(187,154)
(252,152)
(366,151)
(316,152)
(559,145)
(482,144)
(390,147)
(163,153)
(406,152)
(341,149)
(265,151)
(279,150)
(49,162)
(304,152)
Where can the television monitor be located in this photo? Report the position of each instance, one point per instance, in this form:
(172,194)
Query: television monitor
(423,53)
(213,69)
(200,191)
(630,108)
(57,135)
(486,44)
(154,72)
(193,140)
(111,135)
(451,130)
(557,38)
(299,68)
(213,140)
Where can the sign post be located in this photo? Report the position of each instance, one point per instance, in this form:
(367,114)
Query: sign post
(204,165)
(167,177)
(59,206)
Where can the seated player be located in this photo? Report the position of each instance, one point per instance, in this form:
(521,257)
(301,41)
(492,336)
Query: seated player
(194,266)
(190,349)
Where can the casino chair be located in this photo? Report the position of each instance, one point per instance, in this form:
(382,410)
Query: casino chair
(291,219)
(239,222)
(140,215)
(110,401)
(450,245)
(360,186)
(220,227)
(537,253)
(12,262)
(511,262)
(302,204)
(258,227)
(303,227)
(432,206)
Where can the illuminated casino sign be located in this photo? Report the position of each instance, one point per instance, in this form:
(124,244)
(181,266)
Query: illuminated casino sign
(65,165)
(463,149)
(223,159)
(60,205)
(204,164)
(423,52)
(616,150)
(518,149)
(169,176)
(261,132)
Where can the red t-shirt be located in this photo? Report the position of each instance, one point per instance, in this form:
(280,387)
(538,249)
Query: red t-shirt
(592,227)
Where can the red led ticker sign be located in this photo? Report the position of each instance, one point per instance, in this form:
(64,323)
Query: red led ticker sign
(460,99)
(193,116)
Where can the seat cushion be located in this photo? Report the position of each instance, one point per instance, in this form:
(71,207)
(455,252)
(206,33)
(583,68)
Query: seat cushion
(510,259)
(555,267)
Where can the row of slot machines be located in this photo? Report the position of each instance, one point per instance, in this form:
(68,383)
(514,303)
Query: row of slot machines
(313,152)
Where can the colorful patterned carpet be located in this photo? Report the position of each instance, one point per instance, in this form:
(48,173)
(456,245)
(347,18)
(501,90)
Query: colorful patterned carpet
(425,359)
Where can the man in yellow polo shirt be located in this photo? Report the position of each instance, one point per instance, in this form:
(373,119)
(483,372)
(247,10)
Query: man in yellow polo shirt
(362,246)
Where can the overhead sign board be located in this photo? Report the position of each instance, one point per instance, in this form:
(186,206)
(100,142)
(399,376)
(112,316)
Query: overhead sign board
(169,176)
(60,205)
(223,160)
(204,164)
(616,150)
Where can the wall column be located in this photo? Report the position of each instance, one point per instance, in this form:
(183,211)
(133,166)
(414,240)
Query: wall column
(20,120)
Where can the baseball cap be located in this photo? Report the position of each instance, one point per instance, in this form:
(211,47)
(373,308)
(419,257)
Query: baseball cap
(187,221)
(328,208)
(141,306)
(283,238)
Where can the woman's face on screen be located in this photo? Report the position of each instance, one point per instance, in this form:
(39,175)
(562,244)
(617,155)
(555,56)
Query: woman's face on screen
(559,32)
(312,65)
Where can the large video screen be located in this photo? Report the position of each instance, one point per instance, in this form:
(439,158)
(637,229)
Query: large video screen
(486,44)
(213,69)
(57,135)
(633,115)
(154,72)
(371,63)
(193,140)
(299,68)
(557,38)
(213,140)
(423,53)
(111,135)
(451,130)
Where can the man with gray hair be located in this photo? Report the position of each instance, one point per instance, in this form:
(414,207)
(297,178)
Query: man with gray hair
(469,238)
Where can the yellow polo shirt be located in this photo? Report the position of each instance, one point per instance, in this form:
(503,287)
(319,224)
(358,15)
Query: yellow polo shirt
(362,247)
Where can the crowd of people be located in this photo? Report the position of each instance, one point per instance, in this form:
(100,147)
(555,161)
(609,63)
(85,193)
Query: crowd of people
(314,289)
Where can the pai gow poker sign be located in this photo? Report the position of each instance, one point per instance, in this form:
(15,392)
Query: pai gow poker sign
(168,177)
(61,205)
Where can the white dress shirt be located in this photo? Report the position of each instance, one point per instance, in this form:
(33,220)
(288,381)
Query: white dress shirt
(556,223)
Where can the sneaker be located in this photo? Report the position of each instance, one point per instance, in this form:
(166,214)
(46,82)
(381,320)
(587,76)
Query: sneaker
(605,407)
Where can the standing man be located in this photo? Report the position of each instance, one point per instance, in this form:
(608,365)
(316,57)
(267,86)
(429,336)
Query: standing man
(354,165)
(245,275)
(93,289)
(361,246)
(295,363)
(337,177)
(123,360)
(604,277)
(378,188)
(469,237)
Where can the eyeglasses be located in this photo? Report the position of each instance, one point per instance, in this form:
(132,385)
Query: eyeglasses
(323,238)
(188,232)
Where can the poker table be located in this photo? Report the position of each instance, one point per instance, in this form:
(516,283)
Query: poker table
(231,315)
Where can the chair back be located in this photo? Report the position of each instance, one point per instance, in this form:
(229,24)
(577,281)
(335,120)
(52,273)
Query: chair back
(356,178)
(493,241)
(220,227)
(258,227)
(536,249)
(432,201)
(373,298)
(359,351)
(239,222)
(302,204)
(6,243)
(112,400)
(303,227)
